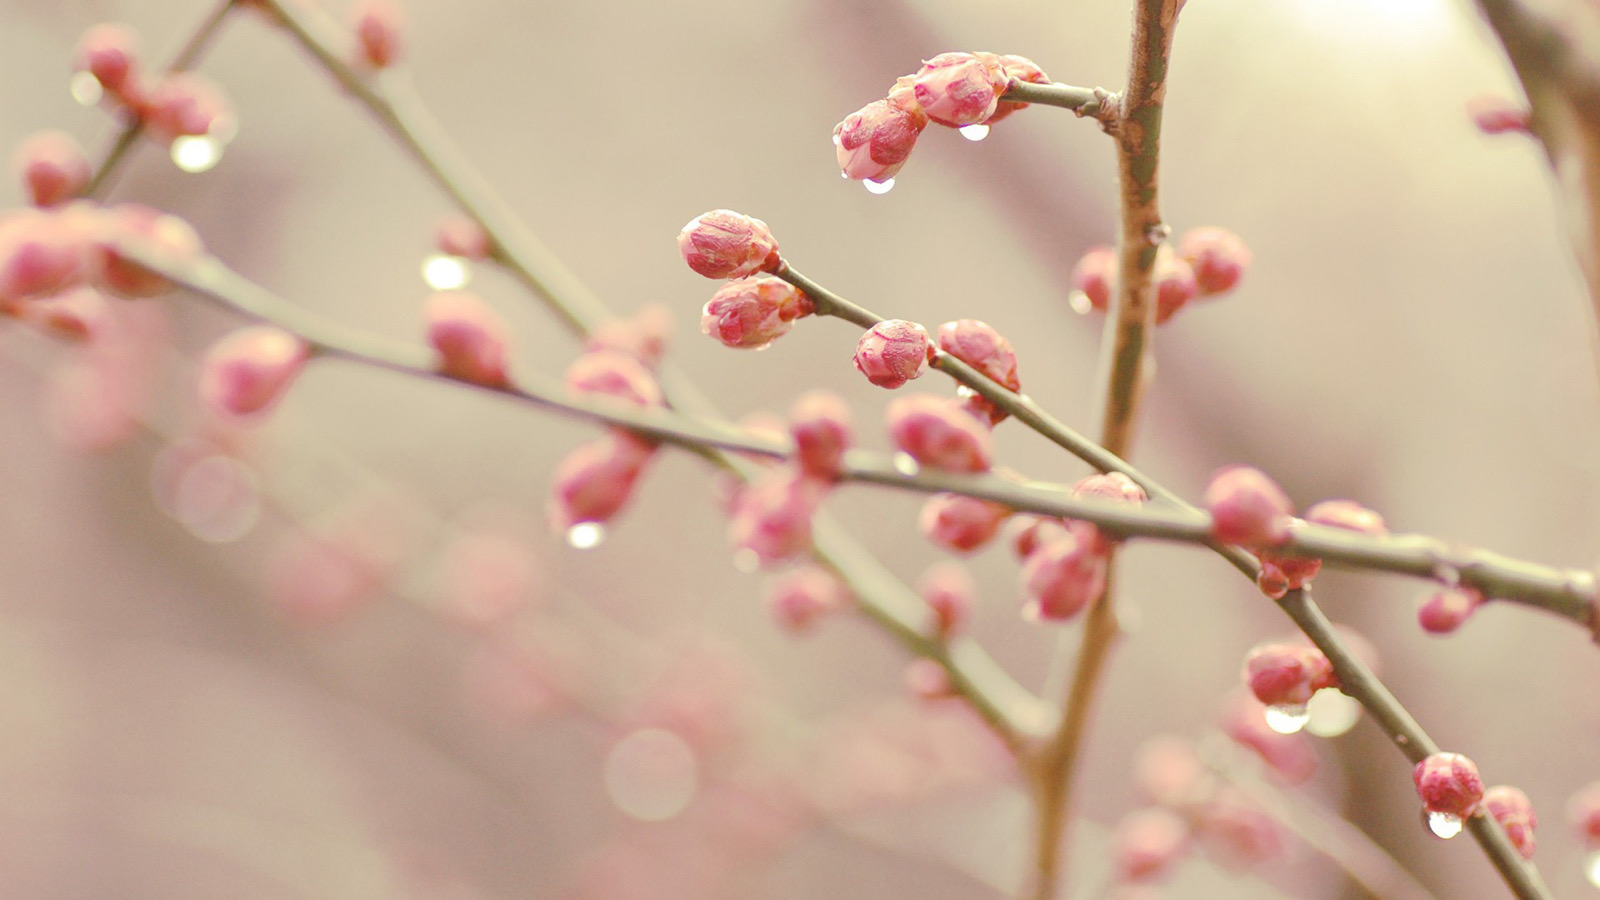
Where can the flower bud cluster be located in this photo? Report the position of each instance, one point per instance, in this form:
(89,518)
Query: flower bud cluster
(596,480)
(1207,262)
(177,105)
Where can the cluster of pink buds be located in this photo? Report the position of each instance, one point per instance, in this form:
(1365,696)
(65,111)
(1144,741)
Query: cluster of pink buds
(1065,560)
(596,480)
(1281,572)
(958,90)
(1207,262)
(771,519)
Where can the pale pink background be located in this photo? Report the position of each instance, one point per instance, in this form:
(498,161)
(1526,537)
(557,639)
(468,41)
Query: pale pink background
(1413,335)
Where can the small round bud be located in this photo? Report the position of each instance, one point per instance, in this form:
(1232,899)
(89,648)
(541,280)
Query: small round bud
(772,517)
(893,352)
(151,232)
(1017,69)
(52,167)
(874,142)
(1247,507)
(948,589)
(960,523)
(981,347)
(42,253)
(110,52)
(613,374)
(928,680)
(1028,533)
(461,235)
(378,26)
(1063,576)
(643,335)
(1514,811)
(819,422)
(725,244)
(1110,486)
(1218,256)
(185,103)
(1095,276)
(1583,813)
(750,313)
(939,434)
(1287,674)
(1146,845)
(469,337)
(958,89)
(1175,285)
(595,481)
(1448,783)
(799,598)
(248,371)
(1349,515)
(1447,609)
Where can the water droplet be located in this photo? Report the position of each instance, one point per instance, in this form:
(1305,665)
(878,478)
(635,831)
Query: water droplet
(836,142)
(217,499)
(196,153)
(1332,712)
(879,187)
(651,774)
(747,561)
(906,465)
(1079,301)
(1444,825)
(974,132)
(1591,868)
(85,88)
(586,535)
(443,272)
(1287,718)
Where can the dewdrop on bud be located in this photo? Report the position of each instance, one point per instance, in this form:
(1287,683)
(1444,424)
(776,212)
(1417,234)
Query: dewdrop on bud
(162,236)
(960,523)
(819,422)
(185,103)
(1448,608)
(726,244)
(51,167)
(109,54)
(593,483)
(1514,811)
(1449,785)
(1017,69)
(893,352)
(469,337)
(948,589)
(1249,724)
(939,434)
(1094,278)
(957,89)
(1175,284)
(799,598)
(1286,675)
(772,518)
(248,371)
(1218,258)
(612,374)
(1247,507)
(1063,576)
(874,142)
(377,26)
(750,313)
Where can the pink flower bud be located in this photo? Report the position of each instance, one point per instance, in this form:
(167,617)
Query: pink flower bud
(958,89)
(162,236)
(1146,845)
(1247,507)
(927,680)
(378,25)
(1583,813)
(1062,577)
(461,235)
(1282,573)
(469,337)
(799,598)
(1447,609)
(750,313)
(76,315)
(1448,783)
(1095,276)
(893,352)
(875,141)
(643,335)
(110,52)
(1514,811)
(1028,533)
(1349,515)
(1497,115)
(612,374)
(981,347)
(939,434)
(185,103)
(595,481)
(725,244)
(772,517)
(1218,256)
(1175,284)
(52,167)
(959,523)
(249,370)
(1170,773)
(820,425)
(1110,486)
(1287,674)
(1289,755)
(1017,69)
(41,253)
(950,593)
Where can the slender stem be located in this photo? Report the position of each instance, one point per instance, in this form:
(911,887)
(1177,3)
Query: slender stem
(1094,103)
(133,126)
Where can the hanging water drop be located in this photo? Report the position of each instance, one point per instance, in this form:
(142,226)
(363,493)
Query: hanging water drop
(85,88)
(905,464)
(1591,868)
(443,272)
(1444,825)
(1333,712)
(1287,718)
(836,140)
(879,187)
(586,535)
(196,153)
(1079,302)
(974,132)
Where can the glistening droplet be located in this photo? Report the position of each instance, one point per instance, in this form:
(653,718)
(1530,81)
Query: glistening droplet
(85,88)
(1591,868)
(443,272)
(1079,301)
(586,535)
(879,187)
(1287,718)
(196,153)
(1333,712)
(1444,825)
(905,464)
(974,132)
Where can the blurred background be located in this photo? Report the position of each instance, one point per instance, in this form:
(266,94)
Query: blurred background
(181,717)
